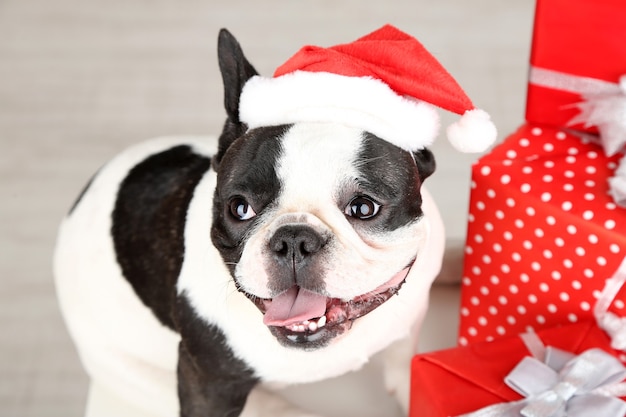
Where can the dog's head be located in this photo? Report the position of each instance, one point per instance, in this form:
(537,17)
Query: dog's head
(318,222)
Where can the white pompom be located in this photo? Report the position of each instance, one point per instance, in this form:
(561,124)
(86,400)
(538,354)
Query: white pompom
(473,132)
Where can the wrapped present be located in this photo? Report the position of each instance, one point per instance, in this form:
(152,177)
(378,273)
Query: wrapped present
(578,372)
(578,58)
(543,235)
(577,76)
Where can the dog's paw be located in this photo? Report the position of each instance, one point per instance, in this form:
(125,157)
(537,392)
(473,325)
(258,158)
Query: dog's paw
(397,381)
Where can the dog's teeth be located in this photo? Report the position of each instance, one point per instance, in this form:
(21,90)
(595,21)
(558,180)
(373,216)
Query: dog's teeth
(307,325)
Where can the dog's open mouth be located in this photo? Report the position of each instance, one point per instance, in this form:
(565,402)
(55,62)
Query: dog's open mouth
(299,316)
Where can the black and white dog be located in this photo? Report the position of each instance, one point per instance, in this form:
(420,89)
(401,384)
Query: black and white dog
(194,273)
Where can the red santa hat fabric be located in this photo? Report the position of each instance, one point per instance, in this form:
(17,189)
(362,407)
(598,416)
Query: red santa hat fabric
(386,83)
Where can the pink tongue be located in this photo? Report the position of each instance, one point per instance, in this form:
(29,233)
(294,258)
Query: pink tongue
(293,306)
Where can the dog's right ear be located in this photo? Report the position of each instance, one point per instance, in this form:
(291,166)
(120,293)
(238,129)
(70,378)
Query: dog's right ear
(236,70)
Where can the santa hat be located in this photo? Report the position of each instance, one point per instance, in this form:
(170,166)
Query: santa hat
(386,83)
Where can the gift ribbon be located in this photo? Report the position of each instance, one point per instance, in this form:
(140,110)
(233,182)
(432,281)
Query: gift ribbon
(614,325)
(556,383)
(563,385)
(576,84)
(603,106)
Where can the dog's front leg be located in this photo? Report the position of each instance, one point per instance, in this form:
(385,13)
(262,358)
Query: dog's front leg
(397,363)
(397,367)
(208,390)
(203,395)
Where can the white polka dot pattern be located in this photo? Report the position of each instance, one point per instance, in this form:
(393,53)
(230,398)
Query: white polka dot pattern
(543,235)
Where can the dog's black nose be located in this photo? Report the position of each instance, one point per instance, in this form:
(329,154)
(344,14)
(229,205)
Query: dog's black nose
(295,243)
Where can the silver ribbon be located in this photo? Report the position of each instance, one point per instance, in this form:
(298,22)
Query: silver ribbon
(614,325)
(606,111)
(563,385)
(603,106)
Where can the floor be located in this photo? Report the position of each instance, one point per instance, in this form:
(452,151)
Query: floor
(81,79)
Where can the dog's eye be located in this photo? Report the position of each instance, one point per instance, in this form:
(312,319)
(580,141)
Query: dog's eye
(240,209)
(362,208)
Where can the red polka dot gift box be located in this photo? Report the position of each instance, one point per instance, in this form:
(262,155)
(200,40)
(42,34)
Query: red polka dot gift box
(516,374)
(577,63)
(543,235)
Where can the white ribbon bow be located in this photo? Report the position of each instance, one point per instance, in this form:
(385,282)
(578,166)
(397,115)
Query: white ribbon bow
(607,111)
(603,106)
(565,386)
(576,390)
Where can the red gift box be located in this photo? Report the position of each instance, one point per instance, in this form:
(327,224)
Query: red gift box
(461,380)
(542,237)
(578,47)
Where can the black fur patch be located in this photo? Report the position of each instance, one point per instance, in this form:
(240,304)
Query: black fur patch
(149,221)
(394,178)
(211,380)
(248,171)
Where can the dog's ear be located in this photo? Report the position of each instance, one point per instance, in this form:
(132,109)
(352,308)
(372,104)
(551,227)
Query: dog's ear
(236,70)
(425,161)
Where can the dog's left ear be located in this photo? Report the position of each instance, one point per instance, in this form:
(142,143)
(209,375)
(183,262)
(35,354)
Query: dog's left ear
(425,161)
(236,70)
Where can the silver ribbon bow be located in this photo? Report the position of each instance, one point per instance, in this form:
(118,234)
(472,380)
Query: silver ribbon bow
(607,111)
(603,106)
(565,385)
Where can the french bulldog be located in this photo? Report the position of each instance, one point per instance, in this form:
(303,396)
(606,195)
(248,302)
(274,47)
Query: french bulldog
(195,274)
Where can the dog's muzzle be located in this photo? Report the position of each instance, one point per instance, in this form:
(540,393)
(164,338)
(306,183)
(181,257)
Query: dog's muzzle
(301,315)
(302,318)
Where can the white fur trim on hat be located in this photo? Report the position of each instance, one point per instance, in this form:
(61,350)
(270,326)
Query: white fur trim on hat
(473,132)
(362,102)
